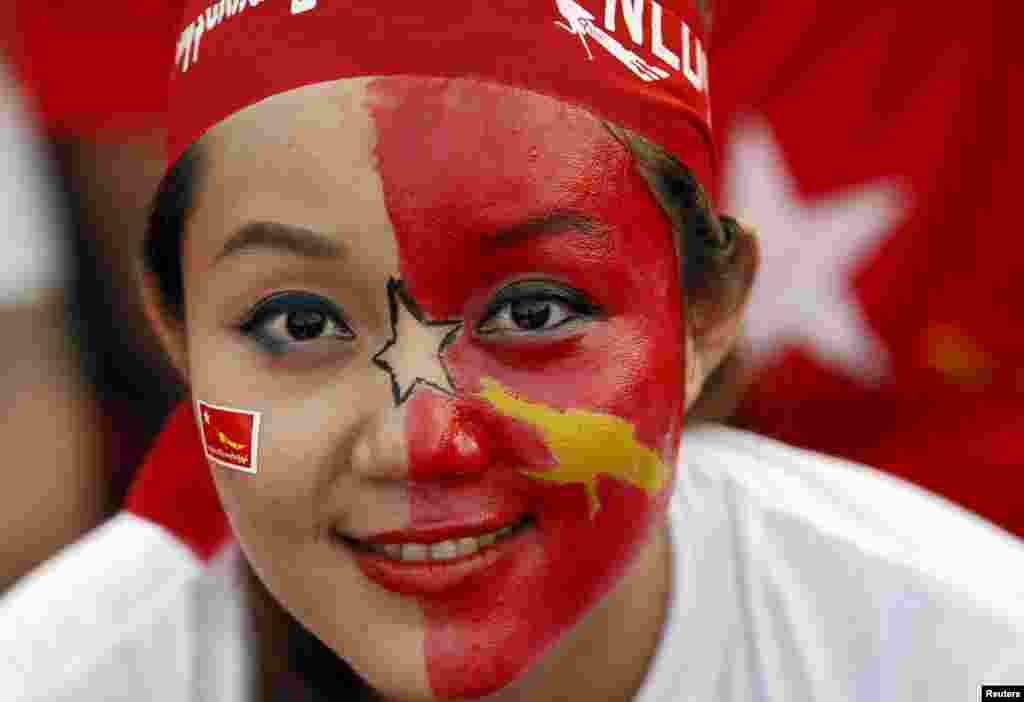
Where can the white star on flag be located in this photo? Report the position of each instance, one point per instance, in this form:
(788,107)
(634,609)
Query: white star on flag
(415,352)
(809,251)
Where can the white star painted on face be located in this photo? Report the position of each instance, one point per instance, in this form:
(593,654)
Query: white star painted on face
(415,353)
(809,252)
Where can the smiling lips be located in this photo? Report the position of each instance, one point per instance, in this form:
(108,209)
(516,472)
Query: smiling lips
(472,525)
(433,561)
(446,550)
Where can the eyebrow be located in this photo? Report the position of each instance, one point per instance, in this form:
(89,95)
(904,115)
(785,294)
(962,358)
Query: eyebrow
(286,238)
(553,222)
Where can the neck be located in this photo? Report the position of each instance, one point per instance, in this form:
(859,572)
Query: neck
(606,656)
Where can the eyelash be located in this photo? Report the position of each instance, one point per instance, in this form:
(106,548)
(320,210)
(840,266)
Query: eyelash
(278,306)
(536,291)
(281,305)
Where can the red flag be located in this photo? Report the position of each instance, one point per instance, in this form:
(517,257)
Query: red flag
(230,435)
(884,133)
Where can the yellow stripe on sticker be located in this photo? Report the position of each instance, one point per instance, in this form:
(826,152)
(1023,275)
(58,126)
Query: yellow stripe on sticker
(584,444)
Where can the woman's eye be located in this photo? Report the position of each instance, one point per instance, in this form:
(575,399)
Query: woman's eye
(533,307)
(286,321)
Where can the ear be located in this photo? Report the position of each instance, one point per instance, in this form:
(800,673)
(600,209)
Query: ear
(721,320)
(169,329)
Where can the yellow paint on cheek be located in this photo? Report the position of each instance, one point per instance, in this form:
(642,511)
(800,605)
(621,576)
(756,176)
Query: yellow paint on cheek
(584,444)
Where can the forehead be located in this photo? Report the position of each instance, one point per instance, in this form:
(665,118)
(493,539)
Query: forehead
(486,147)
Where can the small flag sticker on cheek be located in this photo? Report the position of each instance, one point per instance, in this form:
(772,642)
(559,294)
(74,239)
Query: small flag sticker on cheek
(230,435)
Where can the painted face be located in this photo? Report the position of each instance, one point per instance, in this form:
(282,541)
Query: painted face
(456,307)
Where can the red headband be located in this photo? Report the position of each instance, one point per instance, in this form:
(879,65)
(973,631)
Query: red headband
(638,63)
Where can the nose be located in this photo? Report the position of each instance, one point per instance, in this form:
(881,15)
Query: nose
(444,440)
(429,437)
(379,451)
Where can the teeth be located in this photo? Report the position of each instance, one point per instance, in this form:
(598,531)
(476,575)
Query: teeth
(414,552)
(444,550)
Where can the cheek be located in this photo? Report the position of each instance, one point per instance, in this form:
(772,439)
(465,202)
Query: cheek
(303,432)
(630,368)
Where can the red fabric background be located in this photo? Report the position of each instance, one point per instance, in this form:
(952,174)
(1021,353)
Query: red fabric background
(857,92)
(95,70)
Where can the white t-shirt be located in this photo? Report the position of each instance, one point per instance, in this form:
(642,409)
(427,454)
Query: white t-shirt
(32,256)
(802,577)
(795,577)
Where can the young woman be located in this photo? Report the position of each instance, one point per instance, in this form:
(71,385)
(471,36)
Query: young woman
(441,328)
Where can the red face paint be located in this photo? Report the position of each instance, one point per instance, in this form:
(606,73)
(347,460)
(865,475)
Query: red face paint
(463,166)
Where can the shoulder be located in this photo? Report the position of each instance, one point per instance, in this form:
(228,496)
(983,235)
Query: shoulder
(845,502)
(129,612)
(838,570)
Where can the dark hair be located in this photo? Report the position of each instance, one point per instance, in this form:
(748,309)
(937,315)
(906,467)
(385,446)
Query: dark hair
(166,228)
